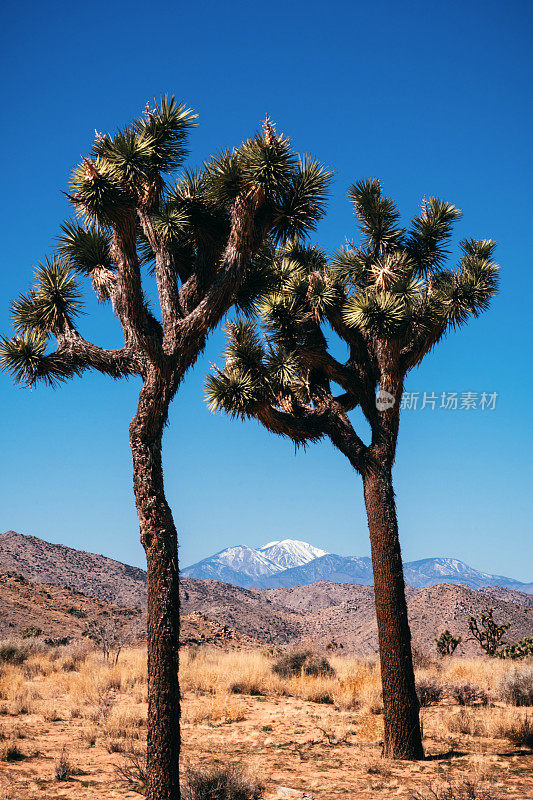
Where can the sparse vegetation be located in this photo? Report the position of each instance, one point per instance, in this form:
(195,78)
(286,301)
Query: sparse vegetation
(457,791)
(307,717)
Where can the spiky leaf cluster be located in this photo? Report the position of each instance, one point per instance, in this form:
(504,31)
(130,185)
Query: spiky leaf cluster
(391,289)
(25,358)
(52,302)
(395,281)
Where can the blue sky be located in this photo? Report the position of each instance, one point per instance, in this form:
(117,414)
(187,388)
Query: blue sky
(434,98)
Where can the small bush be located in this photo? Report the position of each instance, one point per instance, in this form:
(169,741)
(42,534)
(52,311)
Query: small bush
(517,688)
(11,752)
(422,660)
(132,771)
(14,653)
(468,694)
(221,783)
(429,693)
(519,733)
(302,661)
(63,767)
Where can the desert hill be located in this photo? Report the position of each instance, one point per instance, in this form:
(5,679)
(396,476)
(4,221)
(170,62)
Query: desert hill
(95,575)
(222,613)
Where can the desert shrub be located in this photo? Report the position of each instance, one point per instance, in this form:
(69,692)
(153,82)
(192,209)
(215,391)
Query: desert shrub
(519,732)
(461,791)
(468,694)
(14,652)
(220,783)
(132,770)
(321,696)
(297,662)
(517,687)
(429,692)
(63,770)
(11,752)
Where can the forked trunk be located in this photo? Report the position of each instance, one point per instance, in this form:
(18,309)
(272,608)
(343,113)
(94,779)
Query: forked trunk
(402,738)
(159,538)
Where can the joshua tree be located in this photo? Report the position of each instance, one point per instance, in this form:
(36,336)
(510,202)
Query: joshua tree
(447,643)
(391,301)
(488,633)
(200,237)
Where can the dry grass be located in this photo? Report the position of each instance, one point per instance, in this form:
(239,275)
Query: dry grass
(319,733)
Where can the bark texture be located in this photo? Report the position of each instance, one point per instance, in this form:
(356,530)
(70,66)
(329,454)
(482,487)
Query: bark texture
(159,539)
(402,738)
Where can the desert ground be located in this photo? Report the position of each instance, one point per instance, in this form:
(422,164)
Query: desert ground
(72,726)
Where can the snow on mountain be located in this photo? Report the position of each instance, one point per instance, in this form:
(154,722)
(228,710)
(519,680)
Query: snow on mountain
(240,565)
(290,562)
(288,553)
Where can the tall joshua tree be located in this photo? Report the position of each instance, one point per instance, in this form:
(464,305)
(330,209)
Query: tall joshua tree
(390,300)
(199,235)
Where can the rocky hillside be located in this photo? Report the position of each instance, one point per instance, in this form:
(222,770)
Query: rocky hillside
(98,576)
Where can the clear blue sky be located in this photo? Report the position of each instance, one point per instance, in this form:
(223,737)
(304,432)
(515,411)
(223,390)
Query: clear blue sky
(434,98)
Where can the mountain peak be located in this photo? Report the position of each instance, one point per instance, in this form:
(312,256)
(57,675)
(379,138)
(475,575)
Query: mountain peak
(288,553)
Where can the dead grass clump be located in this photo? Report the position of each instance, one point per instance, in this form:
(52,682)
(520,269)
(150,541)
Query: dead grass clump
(469,694)
(246,687)
(516,689)
(429,692)
(466,722)
(302,662)
(125,723)
(221,783)
(220,708)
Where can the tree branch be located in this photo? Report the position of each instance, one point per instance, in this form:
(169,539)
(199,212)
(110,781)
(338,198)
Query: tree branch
(167,283)
(76,354)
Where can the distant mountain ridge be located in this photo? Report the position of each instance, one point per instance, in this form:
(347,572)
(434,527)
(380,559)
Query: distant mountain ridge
(289,562)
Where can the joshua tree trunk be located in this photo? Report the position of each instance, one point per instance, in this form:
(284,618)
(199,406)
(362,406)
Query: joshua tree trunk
(159,539)
(400,702)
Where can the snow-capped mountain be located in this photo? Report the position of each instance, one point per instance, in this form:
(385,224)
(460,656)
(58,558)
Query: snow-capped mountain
(289,562)
(240,565)
(289,553)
